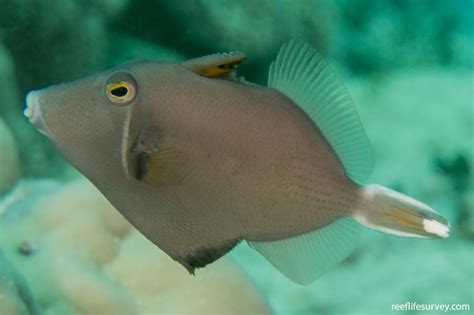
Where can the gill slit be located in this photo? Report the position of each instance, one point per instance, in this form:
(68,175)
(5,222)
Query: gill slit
(124,149)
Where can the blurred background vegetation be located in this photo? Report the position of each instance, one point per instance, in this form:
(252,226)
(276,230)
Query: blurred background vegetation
(46,42)
(407,63)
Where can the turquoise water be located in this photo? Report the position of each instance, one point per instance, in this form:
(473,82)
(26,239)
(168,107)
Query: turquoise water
(409,68)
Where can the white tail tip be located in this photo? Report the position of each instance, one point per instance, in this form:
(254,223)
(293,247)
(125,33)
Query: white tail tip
(435,227)
(392,212)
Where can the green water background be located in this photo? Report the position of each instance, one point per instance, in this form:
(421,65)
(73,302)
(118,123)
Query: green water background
(407,64)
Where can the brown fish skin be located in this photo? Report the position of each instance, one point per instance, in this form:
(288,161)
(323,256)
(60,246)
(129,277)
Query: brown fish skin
(199,159)
(259,167)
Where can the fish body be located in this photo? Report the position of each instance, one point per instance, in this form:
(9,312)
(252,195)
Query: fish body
(198,160)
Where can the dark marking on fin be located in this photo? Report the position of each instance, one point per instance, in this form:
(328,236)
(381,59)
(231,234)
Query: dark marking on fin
(162,167)
(202,256)
(142,161)
(216,65)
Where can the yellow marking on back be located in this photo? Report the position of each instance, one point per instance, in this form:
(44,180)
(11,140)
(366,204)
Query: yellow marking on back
(215,66)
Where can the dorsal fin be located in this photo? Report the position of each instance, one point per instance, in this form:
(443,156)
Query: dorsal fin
(301,74)
(216,65)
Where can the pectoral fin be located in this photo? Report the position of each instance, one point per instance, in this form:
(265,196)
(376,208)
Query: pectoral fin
(216,65)
(163,167)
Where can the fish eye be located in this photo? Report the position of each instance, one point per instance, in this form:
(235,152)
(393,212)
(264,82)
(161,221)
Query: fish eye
(121,88)
(120,92)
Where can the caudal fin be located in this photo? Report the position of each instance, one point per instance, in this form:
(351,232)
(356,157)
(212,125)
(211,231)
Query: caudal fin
(394,213)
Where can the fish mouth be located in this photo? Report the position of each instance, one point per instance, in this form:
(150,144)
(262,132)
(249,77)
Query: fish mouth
(34,113)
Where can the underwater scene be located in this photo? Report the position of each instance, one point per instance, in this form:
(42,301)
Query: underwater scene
(236,157)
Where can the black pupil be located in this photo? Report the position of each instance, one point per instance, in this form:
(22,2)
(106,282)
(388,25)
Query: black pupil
(120,91)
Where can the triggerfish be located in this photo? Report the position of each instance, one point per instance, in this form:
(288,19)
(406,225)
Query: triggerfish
(199,159)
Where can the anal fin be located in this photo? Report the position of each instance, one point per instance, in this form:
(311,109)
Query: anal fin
(306,257)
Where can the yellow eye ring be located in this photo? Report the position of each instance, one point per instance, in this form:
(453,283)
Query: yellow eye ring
(120,92)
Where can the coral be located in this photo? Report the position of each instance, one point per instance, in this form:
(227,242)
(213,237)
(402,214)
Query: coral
(10,166)
(95,262)
(15,297)
(160,280)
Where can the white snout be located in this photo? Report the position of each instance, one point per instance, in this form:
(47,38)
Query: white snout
(34,114)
